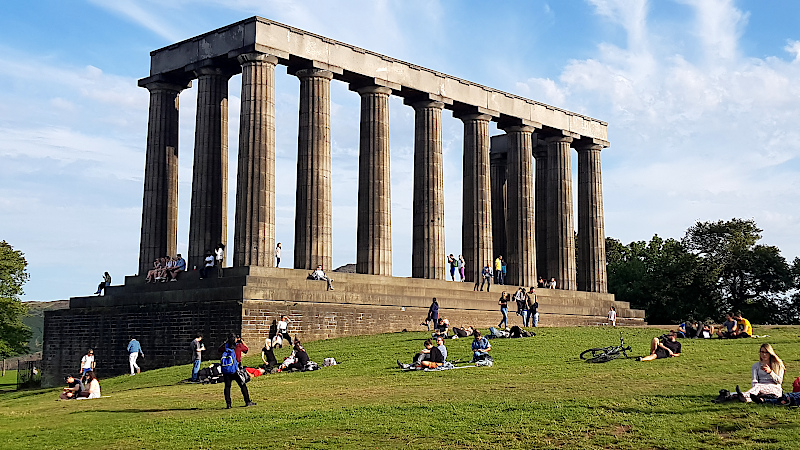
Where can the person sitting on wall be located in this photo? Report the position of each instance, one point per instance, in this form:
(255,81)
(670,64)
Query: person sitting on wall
(319,274)
(177,268)
(73,389)
(209,264)
(663,348)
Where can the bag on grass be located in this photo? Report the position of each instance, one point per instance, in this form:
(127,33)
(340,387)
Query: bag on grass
(243,375)
(228,361)
(327,362)
(311,365)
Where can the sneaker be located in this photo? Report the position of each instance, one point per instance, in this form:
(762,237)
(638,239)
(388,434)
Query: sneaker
(228,407)
(638,358)
(739,394)
(400,365)
(250,404)
(173,279)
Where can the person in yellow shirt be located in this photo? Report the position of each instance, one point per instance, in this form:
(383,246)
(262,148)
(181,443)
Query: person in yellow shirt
(743,327)
(498,269)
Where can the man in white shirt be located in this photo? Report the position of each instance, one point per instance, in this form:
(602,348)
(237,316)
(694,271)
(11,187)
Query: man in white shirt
(319,274)
(278,255)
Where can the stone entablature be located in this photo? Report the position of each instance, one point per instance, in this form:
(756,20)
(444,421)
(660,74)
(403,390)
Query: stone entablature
(298,48)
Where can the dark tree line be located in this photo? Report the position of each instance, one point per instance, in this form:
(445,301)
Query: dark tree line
(717,267)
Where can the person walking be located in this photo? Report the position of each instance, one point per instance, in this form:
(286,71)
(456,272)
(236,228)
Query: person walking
(486,275)
(503,302)
(87,363)
(197,348)
(134,349)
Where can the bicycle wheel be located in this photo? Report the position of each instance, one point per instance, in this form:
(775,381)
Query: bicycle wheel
(602,357)
(593,353)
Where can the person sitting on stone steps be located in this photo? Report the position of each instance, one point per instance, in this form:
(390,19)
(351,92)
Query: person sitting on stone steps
(319,274)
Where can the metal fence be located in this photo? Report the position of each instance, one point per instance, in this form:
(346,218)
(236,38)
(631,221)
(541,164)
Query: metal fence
(29,374)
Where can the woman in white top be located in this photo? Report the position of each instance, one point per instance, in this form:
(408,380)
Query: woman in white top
(283,330)
(93,386)
(767,375)
(612,316)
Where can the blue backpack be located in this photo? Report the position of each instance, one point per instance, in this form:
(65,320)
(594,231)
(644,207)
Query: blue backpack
(228,362)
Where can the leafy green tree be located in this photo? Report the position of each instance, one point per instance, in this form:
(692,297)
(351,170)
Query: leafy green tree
(749,277)
(14,335)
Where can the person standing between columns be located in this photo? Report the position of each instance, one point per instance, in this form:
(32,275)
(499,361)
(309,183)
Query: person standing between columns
(451,261)
(219,256)
(533,307)
(486,276)
(461,267)
(134,350)
(498,269)
(278,255)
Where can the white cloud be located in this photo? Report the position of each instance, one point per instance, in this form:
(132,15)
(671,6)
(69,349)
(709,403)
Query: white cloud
(793,47)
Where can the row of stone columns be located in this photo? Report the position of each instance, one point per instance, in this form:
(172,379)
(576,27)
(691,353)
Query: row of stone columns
(254,235)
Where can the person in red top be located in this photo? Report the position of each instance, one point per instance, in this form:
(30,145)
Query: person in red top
(240,348)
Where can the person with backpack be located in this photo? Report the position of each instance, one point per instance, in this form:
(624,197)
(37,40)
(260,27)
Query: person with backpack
(230,363)
(533,307)
(521,298)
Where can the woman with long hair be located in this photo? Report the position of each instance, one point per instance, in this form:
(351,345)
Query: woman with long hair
(503,302)
(767,375)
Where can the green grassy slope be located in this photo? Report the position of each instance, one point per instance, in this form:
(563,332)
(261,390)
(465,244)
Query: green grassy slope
(538,394)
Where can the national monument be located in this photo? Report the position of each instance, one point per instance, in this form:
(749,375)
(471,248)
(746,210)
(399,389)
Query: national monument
(517,202)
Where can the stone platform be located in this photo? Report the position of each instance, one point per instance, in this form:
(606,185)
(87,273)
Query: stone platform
(165,316)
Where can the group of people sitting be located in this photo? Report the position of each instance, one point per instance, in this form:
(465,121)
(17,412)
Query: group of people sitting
(166,269)
(734,327)
(83,388)
(434,353)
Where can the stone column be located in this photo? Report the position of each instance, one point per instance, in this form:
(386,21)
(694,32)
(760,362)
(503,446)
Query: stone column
(560,227)
(208,224)
(160,201)
(591,231)
(499,205)
(312,226)
(254,233)
(374,233)
(427,248)
(540,206)
(520,239)
(476,228)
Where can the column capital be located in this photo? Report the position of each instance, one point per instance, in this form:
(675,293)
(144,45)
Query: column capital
(591,144)
(422,104)
(161,83)
(211,71)
(551,139)
(477,117)
(413,98)
(508,124)
(256,57)
(373,90)
(470,112)
(309,73)
(518,129)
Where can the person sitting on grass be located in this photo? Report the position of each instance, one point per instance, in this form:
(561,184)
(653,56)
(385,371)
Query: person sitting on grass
(442,328)
(743,327)
(299,357)
(268,355)
(73,389)
(726,331)
(663,348)
(442,348)
(767,376)
(428,357)
(480,347)
(93,386)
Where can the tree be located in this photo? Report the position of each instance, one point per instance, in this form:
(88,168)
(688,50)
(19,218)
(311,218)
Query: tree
(750,278)
(14,335)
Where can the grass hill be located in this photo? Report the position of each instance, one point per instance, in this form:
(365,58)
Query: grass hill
(35,320)
(537,395)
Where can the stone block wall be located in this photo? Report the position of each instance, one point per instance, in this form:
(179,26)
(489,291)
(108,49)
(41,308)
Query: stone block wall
(165,331)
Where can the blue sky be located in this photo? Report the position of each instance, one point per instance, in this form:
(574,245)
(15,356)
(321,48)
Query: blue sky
(701,96)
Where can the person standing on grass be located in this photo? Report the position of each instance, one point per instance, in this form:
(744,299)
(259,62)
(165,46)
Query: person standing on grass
(612,316)
(134,348)
(234,344)
(433,315)
(667,348)
(197,348)
(283,330)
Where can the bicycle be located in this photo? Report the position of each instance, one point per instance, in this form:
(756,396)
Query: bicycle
(606,354)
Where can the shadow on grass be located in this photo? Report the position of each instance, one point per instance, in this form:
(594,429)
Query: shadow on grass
(134,410)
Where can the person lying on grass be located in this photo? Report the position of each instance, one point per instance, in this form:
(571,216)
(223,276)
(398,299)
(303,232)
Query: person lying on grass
(428,357)
(663,348)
